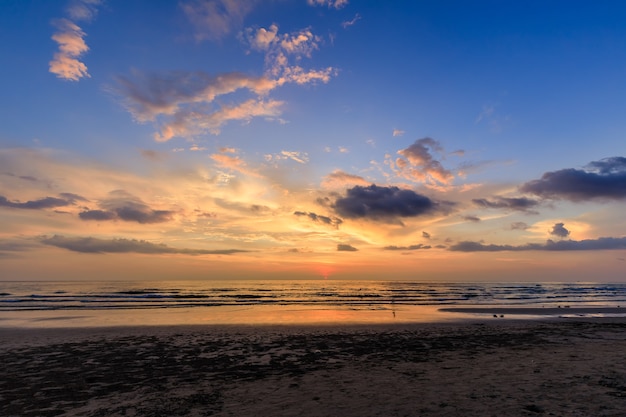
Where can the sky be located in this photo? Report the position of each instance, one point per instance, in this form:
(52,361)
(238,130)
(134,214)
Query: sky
(313,139)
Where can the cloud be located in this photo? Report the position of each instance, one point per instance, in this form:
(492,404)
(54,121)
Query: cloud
(472,219)
(233,163)
(346,248)
(559,230)
(300,157)
(340,179)
(331,221)
(95,245)
(183,103)
(603,243)
(514,203)
(83,9)
(519,226)
(418,164)
(426,235)
(398,132)
(377,202)
(43,203)
(151,155)
(278,49)
(346,24)
(65,63)
(602,180)
(337,4)
(69,36)
(126,207)
(148,96)
(405,248)
(14,245)
(214,19)
(186,104)
(492,118)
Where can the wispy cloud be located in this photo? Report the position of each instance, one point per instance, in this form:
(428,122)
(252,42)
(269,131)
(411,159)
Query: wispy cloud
(233,163)
(337,4)
(328,220)
(408,248)
(121,205)
(84,10)
(508,203)
(40,204)
(66,63)
(519,226)
(472,219)
(184,104)
(214,19)
(602,243)
(398,132)
(341,179)
(300,157)
(95,245)
(346,24)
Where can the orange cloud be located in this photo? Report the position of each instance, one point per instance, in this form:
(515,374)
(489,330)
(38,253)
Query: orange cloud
(341,179)
(65,63)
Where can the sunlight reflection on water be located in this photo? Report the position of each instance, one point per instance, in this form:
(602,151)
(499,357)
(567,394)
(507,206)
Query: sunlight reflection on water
(227,315)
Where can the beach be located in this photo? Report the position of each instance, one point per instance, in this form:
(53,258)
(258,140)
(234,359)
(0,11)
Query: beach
(497,367)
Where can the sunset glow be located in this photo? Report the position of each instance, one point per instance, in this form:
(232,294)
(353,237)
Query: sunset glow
(214,139)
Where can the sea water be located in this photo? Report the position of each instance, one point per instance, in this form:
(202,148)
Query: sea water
(114,303)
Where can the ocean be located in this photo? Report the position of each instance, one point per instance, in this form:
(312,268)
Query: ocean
(63,304)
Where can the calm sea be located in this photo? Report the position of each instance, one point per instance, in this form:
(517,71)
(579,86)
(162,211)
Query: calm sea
(49,304)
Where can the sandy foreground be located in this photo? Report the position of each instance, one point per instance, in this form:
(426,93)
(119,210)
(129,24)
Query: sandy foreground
(566,367)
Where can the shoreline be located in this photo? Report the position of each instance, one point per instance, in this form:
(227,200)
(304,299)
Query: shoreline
(473,368)
(566,311)
(289,315)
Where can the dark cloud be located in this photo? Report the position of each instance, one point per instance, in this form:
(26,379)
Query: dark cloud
(98,215)
(43,203)
(603,243)
(426,235)
(468,246)
(509,203)
(331,221)
(376,202)
(519,226)
(412,247)
(559,230)
(346,248)
(604,180)
(126,207)
(94,245)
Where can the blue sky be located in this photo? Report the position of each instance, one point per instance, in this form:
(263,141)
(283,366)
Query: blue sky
(461,140)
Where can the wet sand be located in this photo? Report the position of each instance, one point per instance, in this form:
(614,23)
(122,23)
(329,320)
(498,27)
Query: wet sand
(498,367)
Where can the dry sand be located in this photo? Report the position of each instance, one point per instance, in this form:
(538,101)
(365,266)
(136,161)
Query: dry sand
(493,368)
